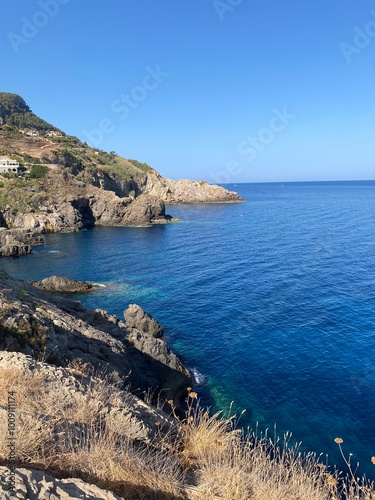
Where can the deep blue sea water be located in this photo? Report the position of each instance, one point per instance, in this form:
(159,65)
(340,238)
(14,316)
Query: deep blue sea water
(271,301)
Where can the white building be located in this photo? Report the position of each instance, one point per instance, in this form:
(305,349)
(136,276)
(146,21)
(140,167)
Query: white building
(53,133)
(9,165)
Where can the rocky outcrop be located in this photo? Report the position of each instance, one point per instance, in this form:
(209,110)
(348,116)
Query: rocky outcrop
(39,324)
(38,485)
(144,210)
(58,284)
(184,191)
(78,207)
(15,242)
(60,217)
(137,318)
(144,333)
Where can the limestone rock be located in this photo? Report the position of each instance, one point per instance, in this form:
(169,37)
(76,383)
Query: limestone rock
(38,485)
(56,217)
(136,317)
(17,242)
(63,285)
(185,191)
(145,210)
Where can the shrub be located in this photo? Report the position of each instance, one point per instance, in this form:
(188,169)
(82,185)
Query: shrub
(38,171)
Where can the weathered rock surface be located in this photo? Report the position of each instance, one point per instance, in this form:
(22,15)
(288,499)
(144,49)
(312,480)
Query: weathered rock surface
(38,485)
(17,241)
(75,207)
(59,284)
(36,323)
(137,318)
(185,191)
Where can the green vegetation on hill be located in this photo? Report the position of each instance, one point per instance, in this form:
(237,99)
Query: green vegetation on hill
(29,121)
(15,113)
(71,153)
(24,194)
(42,152)
(38,171)
(143,166)
(11,103)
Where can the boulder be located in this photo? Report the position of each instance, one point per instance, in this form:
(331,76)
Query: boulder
(16,241)
(136,317)
(38,485)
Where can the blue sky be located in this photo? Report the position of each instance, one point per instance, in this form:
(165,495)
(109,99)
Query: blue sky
(221,90)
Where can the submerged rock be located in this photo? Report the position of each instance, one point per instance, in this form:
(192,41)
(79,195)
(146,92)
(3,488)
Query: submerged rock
(58,284)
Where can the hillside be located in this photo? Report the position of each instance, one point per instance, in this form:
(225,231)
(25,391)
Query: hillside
(65,185)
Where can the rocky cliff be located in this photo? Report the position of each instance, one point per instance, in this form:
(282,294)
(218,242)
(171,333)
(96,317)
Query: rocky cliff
(67,185)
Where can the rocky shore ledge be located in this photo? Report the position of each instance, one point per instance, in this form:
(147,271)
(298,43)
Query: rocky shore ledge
(60,330)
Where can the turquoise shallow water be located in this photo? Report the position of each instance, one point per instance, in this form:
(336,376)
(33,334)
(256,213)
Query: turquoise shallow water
(271,302)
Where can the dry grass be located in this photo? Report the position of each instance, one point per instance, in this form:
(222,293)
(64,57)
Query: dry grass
(207,459)
(71,436)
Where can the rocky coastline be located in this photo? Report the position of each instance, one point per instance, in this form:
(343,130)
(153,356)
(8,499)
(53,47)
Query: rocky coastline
(41,324)
(69,350)
(53,182)
(76,206)
(80,372)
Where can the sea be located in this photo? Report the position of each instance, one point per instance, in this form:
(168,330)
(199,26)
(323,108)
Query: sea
(271,304)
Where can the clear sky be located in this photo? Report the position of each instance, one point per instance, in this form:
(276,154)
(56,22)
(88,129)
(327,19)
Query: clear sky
(221,90)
